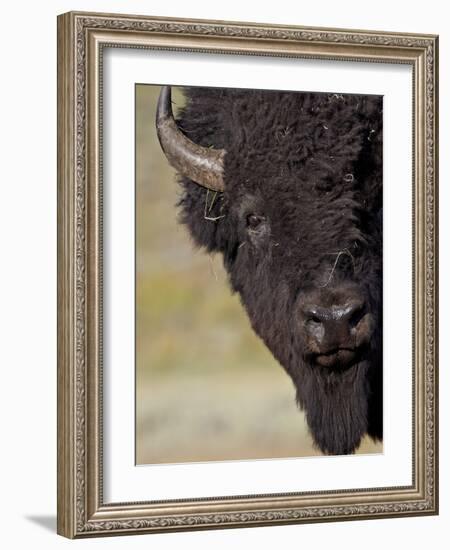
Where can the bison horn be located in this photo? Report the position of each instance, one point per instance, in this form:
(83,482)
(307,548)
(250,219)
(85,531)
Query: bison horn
(200,164)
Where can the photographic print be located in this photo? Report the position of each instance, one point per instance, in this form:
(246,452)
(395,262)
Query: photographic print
(247,274)
(258,274)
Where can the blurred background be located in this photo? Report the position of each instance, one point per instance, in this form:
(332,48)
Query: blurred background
(206,386)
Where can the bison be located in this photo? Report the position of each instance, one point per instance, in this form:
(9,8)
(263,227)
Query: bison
(287,187)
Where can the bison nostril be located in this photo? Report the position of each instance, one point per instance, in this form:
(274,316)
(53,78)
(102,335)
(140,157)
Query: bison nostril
(356,316)
(314,319)
(314,327)
(314,313)
(349,313)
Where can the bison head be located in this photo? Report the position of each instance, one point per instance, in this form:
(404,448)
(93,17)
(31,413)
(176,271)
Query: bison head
(287,186)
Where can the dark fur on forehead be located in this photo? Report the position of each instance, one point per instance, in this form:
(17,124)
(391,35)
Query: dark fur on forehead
(309,164)
(316,138)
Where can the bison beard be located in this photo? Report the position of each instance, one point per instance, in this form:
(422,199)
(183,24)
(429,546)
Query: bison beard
(336,406)
(288,188)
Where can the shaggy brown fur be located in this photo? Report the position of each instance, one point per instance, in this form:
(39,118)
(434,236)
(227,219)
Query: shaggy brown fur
(301,213)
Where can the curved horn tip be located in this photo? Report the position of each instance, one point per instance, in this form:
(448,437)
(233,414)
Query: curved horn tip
(164,106)
(201,164)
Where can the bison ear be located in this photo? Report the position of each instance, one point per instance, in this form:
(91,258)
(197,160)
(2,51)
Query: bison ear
(205,214)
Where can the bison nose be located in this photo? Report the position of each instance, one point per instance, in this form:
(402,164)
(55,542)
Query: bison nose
(334,327)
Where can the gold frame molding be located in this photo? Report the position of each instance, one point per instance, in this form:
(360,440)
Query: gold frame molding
(81,39)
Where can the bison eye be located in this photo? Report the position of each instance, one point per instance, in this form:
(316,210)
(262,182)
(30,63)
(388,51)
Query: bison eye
(254,221)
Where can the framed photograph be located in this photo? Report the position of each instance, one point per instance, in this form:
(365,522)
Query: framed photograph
(247,276)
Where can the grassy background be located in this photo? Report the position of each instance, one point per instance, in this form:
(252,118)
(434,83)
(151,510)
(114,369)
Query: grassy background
(206,386)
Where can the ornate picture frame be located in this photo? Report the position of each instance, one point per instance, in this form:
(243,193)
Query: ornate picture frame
(82,40)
